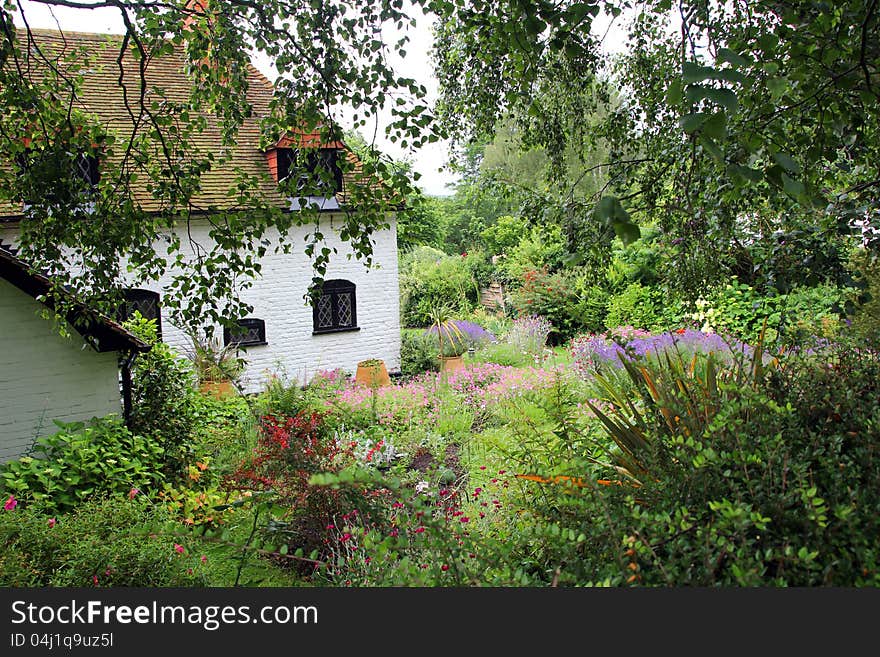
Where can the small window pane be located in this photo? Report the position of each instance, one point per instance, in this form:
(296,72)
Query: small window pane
(251,331)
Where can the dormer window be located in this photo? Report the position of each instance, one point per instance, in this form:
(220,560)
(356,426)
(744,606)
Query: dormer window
(320,174)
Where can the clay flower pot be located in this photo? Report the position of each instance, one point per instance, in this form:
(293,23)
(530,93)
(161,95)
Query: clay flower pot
(218,389)
(451,363)
(372,373)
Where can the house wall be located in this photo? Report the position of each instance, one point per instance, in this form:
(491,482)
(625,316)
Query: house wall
(292,351)
(44,376)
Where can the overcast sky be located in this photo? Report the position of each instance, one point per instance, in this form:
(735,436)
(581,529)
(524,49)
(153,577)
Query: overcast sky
(428,161)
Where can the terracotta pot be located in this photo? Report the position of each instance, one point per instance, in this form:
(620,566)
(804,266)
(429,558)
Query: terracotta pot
(372,374)
(218,389)
(451,363)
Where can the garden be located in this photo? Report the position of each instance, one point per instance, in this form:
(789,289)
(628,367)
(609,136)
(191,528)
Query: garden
(734,444)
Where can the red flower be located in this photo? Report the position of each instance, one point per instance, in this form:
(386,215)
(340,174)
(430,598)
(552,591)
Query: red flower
(178,548)
(444,567)
(51,522)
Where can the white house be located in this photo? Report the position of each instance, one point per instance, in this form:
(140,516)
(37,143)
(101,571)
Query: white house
(45,375)
(357,316)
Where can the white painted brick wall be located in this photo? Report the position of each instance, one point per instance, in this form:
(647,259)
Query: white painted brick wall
(277,297)
(44,376)
(292,351)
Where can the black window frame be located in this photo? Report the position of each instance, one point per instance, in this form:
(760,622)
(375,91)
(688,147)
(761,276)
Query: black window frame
(85,167)
(327,158)
(334,289)
(248,323)
(134,295)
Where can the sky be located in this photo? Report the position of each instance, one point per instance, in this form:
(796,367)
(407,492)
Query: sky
(428,161)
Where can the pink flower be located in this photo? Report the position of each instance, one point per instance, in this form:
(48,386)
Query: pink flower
(178,548)
(133,493)
(95,579)
(11,503)
(51,522)
(204,559)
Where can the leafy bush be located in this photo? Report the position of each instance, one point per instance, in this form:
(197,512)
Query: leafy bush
(290,450)
(418,352)
(551,296)
(429,278)
(590,309)
(769,483)
(84,460)
(163,395)
(866,318)
(104,542)
(741,310)
(542,249)
(637,306)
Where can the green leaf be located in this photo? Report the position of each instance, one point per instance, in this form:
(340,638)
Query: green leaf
(792,187)
(690,123)
(712,148)
(777,86)
(752,175)
(693,72)
(716,126)
(673,93)
(787,163)
(627,232)
(724,97)
(731,57)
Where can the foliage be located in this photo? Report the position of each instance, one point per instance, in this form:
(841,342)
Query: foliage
(105,542)
(866,318)
(745,131)
(290,450)
(84,460)
(551,296)
(768,486)
(430,278)
(542,248)
(162,395)
(213,361)
(636,305)
(529,334)
(741,310)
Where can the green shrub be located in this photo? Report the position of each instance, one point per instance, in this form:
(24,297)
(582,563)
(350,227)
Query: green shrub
(163,395)
(542,248)
(866,318)
(81,461)
(636,306)
(551,296)
(418,352)
(773,483)
(104,542)
(590,309)
(742,311)
(429,278)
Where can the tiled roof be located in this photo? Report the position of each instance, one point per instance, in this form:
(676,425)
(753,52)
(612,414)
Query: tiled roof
(101,97)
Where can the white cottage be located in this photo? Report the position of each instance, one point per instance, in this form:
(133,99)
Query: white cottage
(46,376)
(357,316)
